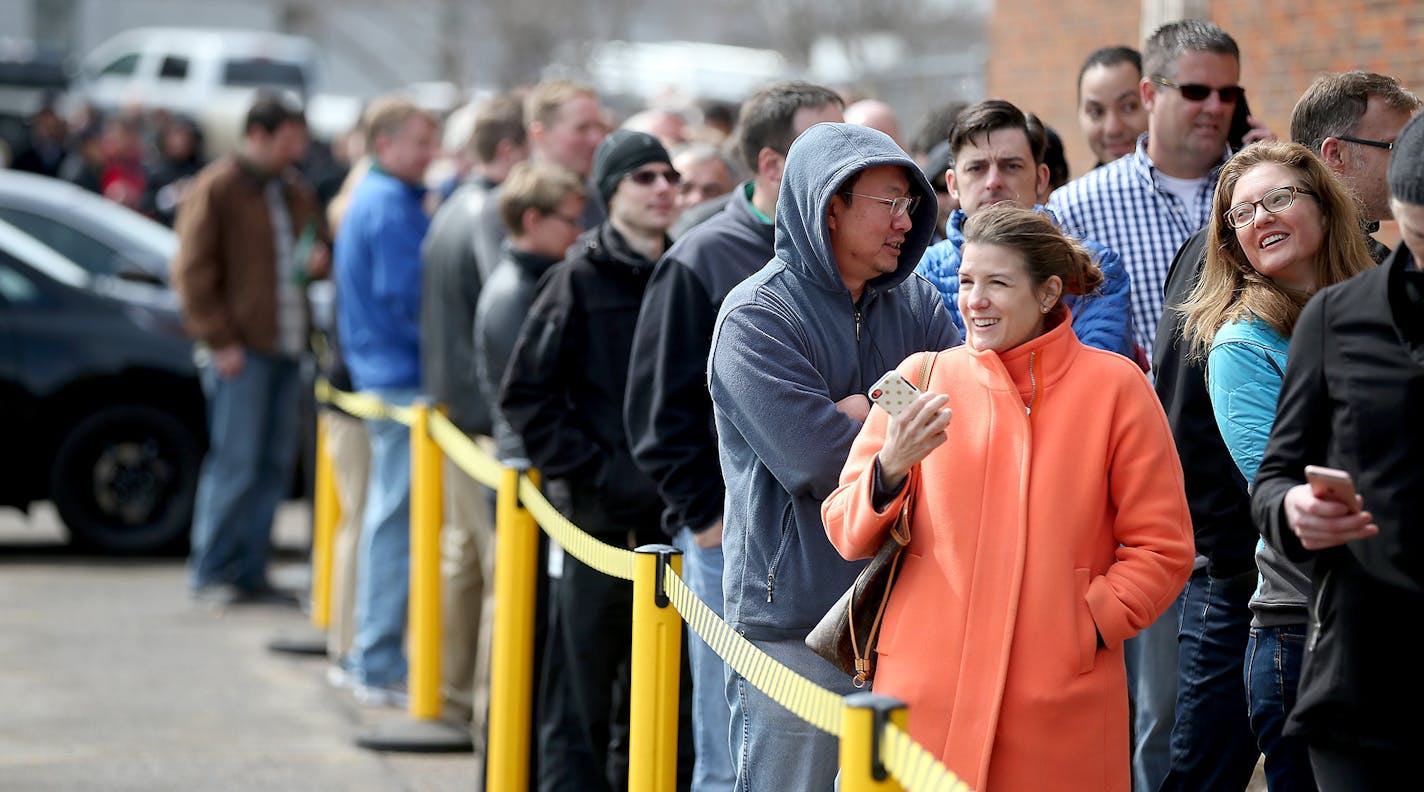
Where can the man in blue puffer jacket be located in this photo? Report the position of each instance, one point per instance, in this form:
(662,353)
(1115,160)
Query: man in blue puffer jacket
(995,158)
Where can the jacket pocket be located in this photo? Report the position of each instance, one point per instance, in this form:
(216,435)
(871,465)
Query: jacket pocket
(787,529)
(1087,632)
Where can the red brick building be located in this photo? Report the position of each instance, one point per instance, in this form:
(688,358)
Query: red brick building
(1036,47)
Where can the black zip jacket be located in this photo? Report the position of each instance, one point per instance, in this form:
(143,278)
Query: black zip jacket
(1351,399)
(668,410)
(1216,491)
(564,387)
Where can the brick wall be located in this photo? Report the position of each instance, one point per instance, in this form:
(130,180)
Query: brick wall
(1036,46)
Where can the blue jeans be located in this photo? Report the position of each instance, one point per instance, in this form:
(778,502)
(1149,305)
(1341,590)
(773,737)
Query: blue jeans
(383,557)
(711,718)
(1273,658)
(773,749)
(252,447)
(1151,658)
(1212,744)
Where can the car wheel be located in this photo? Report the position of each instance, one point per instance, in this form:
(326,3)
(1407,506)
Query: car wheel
(124,480)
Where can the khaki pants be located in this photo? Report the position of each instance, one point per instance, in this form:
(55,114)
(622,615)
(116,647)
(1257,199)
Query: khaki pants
(350,451)
(467,590)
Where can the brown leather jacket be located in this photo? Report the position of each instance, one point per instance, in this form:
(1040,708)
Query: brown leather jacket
(225,271)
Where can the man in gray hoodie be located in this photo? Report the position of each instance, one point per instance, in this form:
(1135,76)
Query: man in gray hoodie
(795,348)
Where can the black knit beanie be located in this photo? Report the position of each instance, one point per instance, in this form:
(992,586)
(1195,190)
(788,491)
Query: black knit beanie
(621,153)
(1406,164)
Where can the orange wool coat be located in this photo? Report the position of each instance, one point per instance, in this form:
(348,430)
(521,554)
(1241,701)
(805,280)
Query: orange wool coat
(1031,534)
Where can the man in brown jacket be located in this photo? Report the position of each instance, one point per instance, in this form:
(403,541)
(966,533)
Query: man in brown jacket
(249,238)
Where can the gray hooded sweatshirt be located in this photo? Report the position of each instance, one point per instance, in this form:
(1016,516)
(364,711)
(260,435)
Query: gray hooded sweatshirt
(789,343)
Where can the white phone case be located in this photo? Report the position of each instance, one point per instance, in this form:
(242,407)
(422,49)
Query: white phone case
(892,392)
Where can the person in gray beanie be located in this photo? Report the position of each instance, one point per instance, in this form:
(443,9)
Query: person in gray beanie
(563,393)
(1350,401)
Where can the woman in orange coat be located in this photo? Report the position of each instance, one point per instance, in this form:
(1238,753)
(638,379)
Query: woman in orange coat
(1049,525)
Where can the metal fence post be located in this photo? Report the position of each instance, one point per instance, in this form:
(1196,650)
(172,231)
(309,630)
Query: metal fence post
(656,669)
(861,767)
(512,661)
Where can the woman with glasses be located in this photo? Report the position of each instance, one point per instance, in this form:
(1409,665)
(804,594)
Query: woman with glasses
(1048,524)
(1283,227)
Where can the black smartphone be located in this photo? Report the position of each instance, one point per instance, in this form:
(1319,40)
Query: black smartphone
(1239,125)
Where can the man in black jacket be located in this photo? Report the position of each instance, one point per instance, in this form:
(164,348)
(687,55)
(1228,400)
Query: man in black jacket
(1350,400)
(668,410)
(563,393)
(1214,735)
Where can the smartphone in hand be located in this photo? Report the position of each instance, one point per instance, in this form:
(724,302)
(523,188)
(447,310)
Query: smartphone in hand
(1332,484)
(1235,138)
(892,392)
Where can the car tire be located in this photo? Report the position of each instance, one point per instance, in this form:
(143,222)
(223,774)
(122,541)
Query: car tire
(124,480)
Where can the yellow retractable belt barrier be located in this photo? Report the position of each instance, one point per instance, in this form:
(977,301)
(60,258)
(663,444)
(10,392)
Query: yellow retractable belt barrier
(326,512)
(427,503)
(915,768)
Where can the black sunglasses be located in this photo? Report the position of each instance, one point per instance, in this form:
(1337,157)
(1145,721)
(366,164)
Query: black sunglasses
(1196,92)
(647,177)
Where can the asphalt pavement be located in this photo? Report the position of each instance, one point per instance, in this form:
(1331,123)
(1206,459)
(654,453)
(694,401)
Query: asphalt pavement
(111,678)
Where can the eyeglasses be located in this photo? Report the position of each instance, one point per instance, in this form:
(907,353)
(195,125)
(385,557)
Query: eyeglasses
(1196,92)
(576,222)
(1277,200)
(899,207)
(1366,142)
(646,178)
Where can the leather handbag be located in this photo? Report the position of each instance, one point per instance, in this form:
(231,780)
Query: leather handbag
(847,635)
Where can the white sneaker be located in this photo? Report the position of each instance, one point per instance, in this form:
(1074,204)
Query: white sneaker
(393,695)
(340,678)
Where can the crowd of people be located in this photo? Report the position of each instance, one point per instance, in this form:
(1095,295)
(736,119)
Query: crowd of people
(1118,576)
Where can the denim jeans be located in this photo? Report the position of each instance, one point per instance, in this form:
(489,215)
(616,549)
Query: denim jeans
(1151,658)
(252,447)
(1273,658)
(383,556)
(711,718)
(1212,744)
(773,749)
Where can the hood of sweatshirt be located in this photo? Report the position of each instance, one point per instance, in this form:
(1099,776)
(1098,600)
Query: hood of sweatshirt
(822,159)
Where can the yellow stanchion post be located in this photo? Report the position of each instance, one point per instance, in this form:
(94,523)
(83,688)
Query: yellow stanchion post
(425,732)
(863,721)
(512,661)
(326,512)
(426,515)
(656,668)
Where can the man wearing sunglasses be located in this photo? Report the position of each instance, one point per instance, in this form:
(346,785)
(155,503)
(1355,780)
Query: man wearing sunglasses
(563,393)
(1145,205)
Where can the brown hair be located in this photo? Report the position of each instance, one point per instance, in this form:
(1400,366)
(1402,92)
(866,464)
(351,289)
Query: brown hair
(541,186)
(1230,289)
(386,115)
(500,118)
(1045,250)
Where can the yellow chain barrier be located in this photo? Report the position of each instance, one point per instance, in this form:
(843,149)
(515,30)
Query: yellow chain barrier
(914,767)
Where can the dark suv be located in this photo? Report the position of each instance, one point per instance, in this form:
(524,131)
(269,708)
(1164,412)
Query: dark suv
(100,401)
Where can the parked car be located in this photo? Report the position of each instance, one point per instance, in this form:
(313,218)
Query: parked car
(100,401)
(201,73)
(97,234)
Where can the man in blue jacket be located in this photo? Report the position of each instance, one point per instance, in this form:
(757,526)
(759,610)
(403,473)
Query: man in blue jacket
(794,349)
(378,282)
(994,159)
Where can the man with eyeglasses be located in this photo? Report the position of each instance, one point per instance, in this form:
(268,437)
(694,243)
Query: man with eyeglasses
(996,159)
(563,393)
(1145,205)
(667,408)
(795,349)
(1234,721)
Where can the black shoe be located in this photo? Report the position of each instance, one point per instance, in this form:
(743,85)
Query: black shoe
(267,594)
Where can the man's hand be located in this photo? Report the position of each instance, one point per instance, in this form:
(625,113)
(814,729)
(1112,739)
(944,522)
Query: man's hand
(919,429)
(1258,131)
(229,360)
(709,537)
(856,405)
(1320,523)
(319,264)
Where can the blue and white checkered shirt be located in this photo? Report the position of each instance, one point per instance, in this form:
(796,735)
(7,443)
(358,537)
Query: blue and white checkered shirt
(1121,205)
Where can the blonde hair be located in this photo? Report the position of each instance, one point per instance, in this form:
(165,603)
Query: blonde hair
(1046,251)
(1229,289)
(546,99)
(385,117)
(541,186)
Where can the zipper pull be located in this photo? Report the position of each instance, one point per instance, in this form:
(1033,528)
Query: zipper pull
(857,324)
(770,579)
